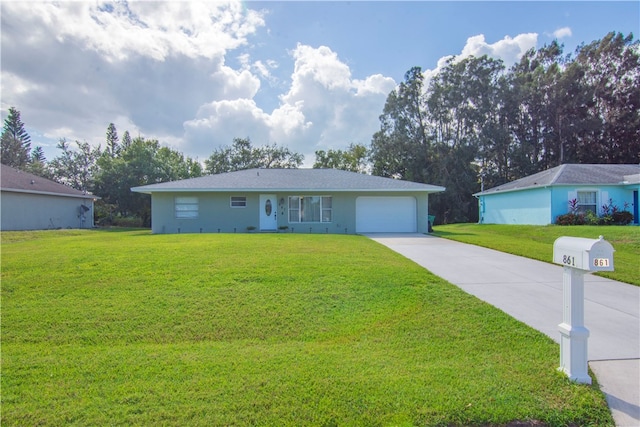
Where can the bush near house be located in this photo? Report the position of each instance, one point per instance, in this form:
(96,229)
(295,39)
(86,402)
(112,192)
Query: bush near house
(571,219)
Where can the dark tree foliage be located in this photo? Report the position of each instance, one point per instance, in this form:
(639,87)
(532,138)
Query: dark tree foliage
(77,167)
(478,125)
(112,147)
(37,155)
(609,70)
(464,104)
(403,146)
(141,162)
(353,159)
(243,155)
(126,140)
(38,163)
(16,143)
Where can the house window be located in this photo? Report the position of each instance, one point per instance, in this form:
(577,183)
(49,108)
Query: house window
(587,202)
(310,209)
(186,207)
(238,202)
(326,209)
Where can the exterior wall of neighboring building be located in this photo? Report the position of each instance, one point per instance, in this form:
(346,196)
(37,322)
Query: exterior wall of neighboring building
(618,195)
(531,206)
(215,213)
(542,206)
(25,211)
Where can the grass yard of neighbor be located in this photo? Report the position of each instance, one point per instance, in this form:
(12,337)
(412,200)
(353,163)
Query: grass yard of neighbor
(128,328)
(536,242)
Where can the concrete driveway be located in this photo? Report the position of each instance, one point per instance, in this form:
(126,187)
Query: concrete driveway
(531,291)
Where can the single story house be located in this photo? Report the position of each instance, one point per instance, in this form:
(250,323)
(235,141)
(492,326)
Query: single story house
(540,198)
(30,202)
(295,200)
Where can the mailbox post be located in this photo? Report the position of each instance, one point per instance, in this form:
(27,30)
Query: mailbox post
(578,256)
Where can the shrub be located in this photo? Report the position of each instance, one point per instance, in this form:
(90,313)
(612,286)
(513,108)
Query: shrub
(127,221)
(611,215)
(590,218)
(570,219)
(120,221)
(622,218)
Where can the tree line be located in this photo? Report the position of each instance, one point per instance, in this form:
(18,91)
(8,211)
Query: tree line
(477,124)
(110,173)
(474,125)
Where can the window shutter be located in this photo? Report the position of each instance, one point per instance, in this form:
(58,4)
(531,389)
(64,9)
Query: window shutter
(604,199)
(573,195)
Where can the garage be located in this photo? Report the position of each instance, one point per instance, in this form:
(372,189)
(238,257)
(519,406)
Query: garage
(386,215)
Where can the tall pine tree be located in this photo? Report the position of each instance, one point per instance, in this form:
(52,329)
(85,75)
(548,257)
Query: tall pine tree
(112,141)
(16,142)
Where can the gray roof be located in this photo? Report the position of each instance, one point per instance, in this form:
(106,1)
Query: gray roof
(257,180)
(573,174)
(15,180)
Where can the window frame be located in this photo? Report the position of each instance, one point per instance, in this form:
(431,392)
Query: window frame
(325,213)
(586,207)
(238,206)
(191,205)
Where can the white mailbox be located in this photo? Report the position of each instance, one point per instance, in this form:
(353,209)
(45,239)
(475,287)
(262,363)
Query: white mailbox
(583,254)
(579,256)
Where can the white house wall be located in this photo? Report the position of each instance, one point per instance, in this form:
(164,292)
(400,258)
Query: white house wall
(216,215)
(23,211)
(517,207)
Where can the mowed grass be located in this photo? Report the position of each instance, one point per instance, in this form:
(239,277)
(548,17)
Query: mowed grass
(129,328)
(537,242)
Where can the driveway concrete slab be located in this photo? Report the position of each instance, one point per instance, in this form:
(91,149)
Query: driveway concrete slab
(618,380)
(531,291)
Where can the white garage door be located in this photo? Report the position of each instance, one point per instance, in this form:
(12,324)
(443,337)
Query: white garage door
(386,215)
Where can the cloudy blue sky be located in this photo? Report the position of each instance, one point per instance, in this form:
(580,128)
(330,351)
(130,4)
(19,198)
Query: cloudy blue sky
(306,75)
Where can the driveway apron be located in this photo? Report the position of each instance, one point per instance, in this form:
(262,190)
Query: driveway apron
(531,291)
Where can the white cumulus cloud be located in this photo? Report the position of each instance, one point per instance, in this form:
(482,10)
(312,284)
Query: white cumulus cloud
(324,107)
(189,74)
(509,49)
(73,67)
(562,33)
(156,30)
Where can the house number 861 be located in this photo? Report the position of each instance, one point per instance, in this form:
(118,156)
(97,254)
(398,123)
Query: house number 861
(568,260)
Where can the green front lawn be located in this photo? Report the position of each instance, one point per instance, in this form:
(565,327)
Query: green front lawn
(536,242)
(128,328)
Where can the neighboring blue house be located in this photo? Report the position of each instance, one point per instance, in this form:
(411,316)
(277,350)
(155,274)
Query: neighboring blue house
(540,198)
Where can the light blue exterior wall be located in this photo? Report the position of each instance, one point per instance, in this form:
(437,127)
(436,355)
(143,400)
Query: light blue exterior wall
(542,206)
(215,214)
(605,194)
(516,207)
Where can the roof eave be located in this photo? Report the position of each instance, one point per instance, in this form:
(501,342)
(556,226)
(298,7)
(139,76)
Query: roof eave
(436,189)
(50,193)
(531,187)
(510,190)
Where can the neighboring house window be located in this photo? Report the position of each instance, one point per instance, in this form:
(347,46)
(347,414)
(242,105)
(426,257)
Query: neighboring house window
(238,202)
(186,207)
(587,201)
(310,209)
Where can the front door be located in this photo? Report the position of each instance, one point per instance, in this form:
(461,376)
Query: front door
(268,210)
